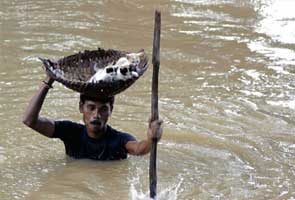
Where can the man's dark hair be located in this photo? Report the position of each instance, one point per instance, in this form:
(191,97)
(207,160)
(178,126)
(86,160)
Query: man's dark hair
(110,99)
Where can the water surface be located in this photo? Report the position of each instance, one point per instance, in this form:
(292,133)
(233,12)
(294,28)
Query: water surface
(227,96)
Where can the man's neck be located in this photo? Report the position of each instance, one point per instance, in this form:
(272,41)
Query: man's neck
(97,135)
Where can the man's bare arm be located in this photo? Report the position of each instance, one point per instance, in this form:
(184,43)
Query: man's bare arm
(139,148)
(31,116)
(143,147)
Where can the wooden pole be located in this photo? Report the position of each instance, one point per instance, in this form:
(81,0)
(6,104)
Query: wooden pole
(154,106)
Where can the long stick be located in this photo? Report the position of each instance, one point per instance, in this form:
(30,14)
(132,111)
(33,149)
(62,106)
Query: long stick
(154,106)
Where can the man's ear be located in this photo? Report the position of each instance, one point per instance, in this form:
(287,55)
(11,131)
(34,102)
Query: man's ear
(81,107)
(111,110)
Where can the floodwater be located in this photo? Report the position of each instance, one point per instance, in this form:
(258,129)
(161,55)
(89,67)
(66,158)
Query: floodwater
(227,96)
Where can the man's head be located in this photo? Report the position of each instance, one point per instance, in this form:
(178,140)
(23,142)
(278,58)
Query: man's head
(96,112)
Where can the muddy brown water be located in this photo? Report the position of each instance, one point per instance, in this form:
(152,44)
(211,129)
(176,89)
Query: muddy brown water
(227,96)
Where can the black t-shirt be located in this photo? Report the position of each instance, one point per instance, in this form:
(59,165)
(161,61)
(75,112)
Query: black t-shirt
(79,145)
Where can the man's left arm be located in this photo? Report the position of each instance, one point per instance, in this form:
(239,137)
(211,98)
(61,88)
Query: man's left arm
(143,147)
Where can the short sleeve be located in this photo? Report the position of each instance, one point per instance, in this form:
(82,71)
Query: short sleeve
(126,137)
(66,130)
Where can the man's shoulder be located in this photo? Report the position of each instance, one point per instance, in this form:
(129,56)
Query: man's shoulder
(64,127)
(112,132)
(68,123)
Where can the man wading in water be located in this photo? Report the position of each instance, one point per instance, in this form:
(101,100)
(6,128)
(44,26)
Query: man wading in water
(94,140)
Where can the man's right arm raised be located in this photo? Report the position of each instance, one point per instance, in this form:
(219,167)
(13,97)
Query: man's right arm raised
(31,116)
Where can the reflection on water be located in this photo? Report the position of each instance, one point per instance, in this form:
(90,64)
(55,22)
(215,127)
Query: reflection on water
(278,21)
(227,96)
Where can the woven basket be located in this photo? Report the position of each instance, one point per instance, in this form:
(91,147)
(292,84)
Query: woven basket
(77,69)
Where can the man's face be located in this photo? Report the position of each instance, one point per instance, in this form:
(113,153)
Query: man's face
(95,116)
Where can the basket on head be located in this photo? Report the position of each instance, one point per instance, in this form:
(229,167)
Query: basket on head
(98,72)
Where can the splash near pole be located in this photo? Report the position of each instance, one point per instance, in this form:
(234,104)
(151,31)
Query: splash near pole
(154,106)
